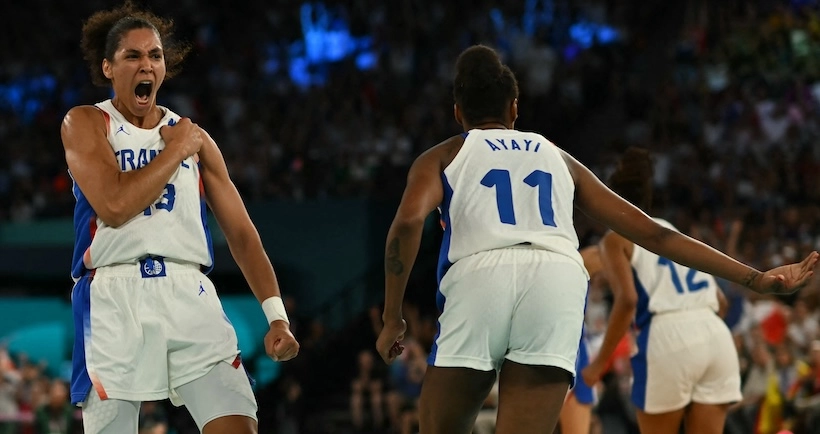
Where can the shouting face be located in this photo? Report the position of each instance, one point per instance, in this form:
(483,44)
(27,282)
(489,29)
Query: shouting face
(136,73)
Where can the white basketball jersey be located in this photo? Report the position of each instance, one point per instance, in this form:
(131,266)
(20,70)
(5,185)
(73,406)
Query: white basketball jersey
(665,286)
(173,227)
(505,188)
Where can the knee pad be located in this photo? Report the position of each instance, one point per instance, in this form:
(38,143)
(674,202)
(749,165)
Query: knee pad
(111,416)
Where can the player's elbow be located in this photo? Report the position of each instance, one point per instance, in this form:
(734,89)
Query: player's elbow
(242,239)
(627,301)
(115,213)
(408,221)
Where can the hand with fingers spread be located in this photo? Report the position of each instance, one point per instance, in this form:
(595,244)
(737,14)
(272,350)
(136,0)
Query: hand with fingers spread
(280,344)
(785,279)
(389,342)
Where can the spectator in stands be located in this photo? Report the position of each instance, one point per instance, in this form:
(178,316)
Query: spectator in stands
(406,375)
(57,416)
(367,390)
(9,381)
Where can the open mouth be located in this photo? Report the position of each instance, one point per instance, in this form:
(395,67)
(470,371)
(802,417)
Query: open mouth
(143,91)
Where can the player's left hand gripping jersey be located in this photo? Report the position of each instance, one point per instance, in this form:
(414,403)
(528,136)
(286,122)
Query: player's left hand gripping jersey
(174,226)
(504,188)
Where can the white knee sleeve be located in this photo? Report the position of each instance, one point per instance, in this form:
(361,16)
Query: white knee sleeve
(111,416)
(223,391)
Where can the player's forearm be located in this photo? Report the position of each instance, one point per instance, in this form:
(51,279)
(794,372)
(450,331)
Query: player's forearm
(695,254)
(136,190)
(620,318)
(257,269)
(403,241)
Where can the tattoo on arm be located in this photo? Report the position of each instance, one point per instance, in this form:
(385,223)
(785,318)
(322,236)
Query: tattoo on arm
(393,262)
(750,278)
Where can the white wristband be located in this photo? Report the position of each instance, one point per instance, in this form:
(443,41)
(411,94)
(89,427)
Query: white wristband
(274,309)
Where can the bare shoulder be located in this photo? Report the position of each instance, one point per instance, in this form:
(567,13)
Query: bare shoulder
(83,116)
(209,155)
(573,165)
(84,128)
(205,135)
(444,152)
(208,142)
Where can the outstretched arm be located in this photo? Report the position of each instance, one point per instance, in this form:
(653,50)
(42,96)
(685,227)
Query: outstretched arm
(603,205)
(423,193)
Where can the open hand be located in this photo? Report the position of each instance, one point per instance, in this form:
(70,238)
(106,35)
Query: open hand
(786,279)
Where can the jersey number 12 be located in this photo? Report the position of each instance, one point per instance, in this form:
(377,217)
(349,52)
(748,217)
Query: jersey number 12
(500,179)
(691,284)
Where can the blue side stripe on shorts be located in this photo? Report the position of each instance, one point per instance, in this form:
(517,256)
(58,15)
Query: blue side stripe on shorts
(583,393)
(441,300)
(81,307)
(643,319)
(444,263)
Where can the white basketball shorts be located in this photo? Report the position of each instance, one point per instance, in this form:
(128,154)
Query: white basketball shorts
(142,330)
(683,357)
(521,304)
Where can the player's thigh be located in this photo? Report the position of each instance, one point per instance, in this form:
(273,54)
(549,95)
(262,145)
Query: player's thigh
(451,398)
(706,418)
(119,343)
(673,354)
(530,397)
(476,302)
(549,311)
(720,383)
(660,423)
(198,330)
(224,392)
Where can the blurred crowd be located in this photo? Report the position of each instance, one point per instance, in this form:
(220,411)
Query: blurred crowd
(32,402)
(732,119)
(351,133)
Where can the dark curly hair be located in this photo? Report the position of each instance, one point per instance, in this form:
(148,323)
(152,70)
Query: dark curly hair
(483,87)
(103,31)
(632,180)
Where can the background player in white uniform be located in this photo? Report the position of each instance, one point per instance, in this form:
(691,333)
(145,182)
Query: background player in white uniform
(512,283)
(149,324)
(686,365)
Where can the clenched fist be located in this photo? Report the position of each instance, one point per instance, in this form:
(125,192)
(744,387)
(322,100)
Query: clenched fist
(280,344)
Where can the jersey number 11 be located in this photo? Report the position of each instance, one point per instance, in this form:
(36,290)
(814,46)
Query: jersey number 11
(500,179)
